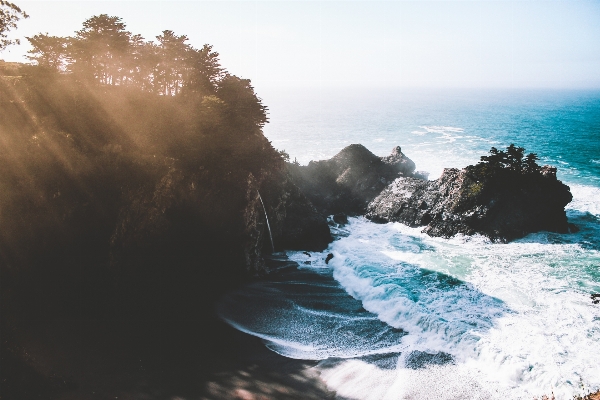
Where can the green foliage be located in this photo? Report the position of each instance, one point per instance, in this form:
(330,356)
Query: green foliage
(10,14)
(104,52)
(284,155)
(102,117)
(474,189)
(512,159)
(505,170)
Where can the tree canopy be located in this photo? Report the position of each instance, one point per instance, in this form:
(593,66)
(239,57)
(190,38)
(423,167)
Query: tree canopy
(513,159)
(104,51)
(10,14)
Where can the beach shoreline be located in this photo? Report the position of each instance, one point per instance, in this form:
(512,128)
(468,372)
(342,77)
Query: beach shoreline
(143,359)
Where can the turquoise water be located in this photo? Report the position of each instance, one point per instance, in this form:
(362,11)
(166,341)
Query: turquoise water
(562,127)
(463,316)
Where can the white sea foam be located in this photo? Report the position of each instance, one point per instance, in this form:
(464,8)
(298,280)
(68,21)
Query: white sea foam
(356,379)
(441,129)
(519,321)
(585,199)
(507,321)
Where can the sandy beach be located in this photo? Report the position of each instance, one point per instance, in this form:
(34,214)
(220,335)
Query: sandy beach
(184,359)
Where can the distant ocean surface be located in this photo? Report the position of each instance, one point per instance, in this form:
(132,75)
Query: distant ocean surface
(397,314)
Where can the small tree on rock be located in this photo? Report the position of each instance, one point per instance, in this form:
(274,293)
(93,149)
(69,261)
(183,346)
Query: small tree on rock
(531,165)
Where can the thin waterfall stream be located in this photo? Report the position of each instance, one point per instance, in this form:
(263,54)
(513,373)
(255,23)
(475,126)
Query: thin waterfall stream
(267,218)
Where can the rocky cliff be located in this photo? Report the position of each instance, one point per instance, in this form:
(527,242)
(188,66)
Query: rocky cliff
(138,200)
(347,182)
(502,206)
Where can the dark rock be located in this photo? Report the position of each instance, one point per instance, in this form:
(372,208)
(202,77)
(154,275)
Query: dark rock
(306,253)
(295,223)
(461,201)
(328,258)
(340,219)
(399,162)
(595,298)
(213,226)
(347,182)
(421,175)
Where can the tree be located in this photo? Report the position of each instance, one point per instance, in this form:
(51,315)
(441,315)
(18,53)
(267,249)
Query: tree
(496,159)
(510,163)
(100,49)
(172,69)
(243,105)
(48,51)
(514,157)
(205,70)
(530,163)
(140,64)
(10,14)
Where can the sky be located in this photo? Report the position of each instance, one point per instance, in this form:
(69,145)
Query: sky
(435,44)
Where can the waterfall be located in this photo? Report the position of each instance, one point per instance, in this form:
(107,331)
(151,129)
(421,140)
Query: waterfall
(267,218)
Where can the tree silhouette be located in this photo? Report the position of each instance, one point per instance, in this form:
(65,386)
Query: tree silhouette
(48,51)
(172,69)
(244,108)
(512,160)
(10,14)
(105,53)
(496,159)
(205,71)
(530,164)
(514,157)
(100,49)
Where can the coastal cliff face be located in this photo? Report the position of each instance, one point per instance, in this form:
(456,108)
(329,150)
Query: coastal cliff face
(219,218)
(465,202)
(152,211)
(131,213)
(347,182)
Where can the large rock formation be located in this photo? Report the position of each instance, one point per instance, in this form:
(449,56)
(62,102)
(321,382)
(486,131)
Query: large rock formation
(502,206)
(148,211)
(351,179)
(218,219)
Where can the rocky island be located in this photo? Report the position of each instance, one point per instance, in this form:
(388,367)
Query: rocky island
(504,197)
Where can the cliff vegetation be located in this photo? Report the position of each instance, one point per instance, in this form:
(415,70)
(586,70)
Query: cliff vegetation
(131,170)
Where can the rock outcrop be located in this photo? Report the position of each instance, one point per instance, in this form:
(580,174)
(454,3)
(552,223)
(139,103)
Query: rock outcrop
(347,182)
(212,219)
(502,207)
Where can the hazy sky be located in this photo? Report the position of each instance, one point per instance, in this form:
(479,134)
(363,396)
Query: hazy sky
(364,43)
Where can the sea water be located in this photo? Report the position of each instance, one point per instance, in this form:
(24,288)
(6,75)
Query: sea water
(398,314)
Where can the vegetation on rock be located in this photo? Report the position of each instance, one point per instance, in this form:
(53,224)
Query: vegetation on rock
(503,197)
(137,163)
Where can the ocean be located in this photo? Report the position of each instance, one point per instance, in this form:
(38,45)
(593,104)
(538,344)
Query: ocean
(397,314)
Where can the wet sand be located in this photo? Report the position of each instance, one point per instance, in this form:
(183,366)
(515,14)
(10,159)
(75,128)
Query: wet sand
(202,358)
